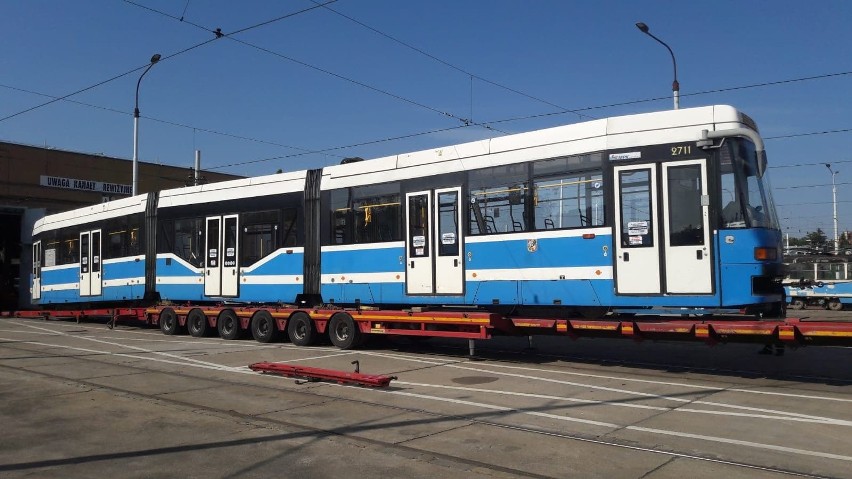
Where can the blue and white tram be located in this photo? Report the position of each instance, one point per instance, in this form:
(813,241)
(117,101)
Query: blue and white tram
(818,281)
(660,209)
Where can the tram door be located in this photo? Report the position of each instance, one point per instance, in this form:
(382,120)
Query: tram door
(663,244)
(36,293)
(637,254)
(90,263)
(686,227)
(221,268)
(434,253)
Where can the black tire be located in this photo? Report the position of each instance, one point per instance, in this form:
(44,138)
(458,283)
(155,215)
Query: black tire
(343,331)
(228,325)
(797,304)
(835,305)
(301,329)
(263,327)
(196,323)
(169,324)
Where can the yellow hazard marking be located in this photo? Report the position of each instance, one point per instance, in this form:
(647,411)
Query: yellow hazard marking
(744,331)
(828,333)
(421,319)
(604,327)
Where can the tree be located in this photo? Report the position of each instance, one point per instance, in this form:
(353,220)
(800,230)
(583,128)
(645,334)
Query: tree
(817,238)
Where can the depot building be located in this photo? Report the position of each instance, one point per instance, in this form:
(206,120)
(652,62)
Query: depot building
(37,181)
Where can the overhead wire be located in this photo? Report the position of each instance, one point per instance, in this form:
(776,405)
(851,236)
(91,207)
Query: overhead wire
(217,35)
(230,36)
(446,63)
(166,122)
(810,186)
(116,77)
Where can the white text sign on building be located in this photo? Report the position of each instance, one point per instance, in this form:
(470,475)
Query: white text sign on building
(85,185)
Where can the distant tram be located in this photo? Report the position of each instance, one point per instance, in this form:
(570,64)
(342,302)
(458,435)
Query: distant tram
(818,281)
(665,209)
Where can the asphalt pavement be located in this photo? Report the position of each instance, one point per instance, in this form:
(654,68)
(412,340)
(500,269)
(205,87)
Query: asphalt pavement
(83,400)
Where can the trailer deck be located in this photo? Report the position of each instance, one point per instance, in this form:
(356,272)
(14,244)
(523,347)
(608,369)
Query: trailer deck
(347,328)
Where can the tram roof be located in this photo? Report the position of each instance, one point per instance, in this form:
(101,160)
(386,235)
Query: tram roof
(587,137)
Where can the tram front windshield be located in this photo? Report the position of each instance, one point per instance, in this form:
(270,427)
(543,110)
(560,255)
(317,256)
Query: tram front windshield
(746,196)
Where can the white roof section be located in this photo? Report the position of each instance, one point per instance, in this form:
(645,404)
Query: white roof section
(88,214)
(597,135)
(234,189)
(221,191)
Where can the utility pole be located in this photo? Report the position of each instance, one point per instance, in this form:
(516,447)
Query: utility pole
(834,205)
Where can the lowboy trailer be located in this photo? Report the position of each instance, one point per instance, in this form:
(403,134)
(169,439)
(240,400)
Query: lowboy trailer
(347,328)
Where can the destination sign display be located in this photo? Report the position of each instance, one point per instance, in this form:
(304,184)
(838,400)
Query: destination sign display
(85,185)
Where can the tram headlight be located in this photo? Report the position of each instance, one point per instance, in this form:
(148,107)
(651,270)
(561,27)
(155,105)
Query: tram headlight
(765,254)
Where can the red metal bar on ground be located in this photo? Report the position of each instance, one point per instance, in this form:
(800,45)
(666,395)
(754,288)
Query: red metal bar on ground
(320,374)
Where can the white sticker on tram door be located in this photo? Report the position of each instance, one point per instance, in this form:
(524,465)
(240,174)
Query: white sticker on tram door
(637,228)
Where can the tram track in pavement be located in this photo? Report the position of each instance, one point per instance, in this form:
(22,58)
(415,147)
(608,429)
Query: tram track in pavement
(348,433)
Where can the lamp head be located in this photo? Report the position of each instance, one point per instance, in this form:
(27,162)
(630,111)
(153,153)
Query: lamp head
(155,58)
(642,27)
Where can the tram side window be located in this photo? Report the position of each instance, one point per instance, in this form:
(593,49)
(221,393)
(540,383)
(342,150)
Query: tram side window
(116,238)
(637,223)
(289,237)
(165,236)
(797,271)
(123,238)
(188,240)
(498,198)
(366,214)
(259,236)
(342,220)
(569,201)
(686,215)
(135,241)
(50,248)
(69,247)
(831,271)
(376,211)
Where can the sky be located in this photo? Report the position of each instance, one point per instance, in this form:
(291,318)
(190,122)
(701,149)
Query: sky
(296,84)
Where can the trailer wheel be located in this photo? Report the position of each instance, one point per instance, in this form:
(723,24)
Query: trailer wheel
(168,322)
(343,331)
(301,329)
(196,323)
(263,328)
(797,304)
(834,304)
(228,325)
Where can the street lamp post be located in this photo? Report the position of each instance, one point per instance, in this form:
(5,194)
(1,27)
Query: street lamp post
(154,59)
(675,85)
(834,204)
